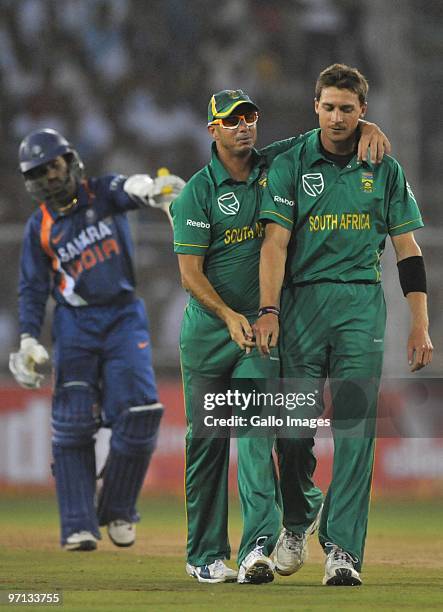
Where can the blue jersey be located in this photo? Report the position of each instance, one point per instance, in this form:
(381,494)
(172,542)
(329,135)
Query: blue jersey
(82,258)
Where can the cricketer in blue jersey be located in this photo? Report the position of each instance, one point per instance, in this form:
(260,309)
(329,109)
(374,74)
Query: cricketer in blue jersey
(78,248)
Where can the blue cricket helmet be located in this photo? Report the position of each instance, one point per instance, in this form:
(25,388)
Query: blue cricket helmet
(38,149)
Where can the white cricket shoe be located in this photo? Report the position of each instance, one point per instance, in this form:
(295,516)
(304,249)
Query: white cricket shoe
(213,573)
(81,540)
(339,569)
(291,550)
(256,568)
(121,533)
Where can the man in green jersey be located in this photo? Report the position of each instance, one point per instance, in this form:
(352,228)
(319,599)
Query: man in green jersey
(217,236)
(328,215)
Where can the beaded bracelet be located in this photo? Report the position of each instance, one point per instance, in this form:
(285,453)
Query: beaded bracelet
(268,310)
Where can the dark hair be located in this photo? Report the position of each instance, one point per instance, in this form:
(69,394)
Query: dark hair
(342,77)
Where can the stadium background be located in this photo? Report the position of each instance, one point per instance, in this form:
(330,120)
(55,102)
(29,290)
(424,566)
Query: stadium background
(128,81)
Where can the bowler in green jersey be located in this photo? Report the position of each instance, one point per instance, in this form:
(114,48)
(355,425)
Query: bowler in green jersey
(327,216)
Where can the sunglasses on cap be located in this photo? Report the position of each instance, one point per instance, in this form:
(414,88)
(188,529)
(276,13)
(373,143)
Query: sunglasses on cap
(231,122)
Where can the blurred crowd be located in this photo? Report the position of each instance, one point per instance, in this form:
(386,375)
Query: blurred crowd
(128,82)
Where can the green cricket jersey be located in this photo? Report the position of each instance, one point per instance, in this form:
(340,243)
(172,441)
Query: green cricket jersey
(339,217)
(217,217)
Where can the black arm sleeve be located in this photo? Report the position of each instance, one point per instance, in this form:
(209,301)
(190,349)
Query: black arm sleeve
(412,274)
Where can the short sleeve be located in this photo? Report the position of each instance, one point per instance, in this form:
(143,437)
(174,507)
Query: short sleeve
(278,203)
(192,228)
(271,151)
(403,212)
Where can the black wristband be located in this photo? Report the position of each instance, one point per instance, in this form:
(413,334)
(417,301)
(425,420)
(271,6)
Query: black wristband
(412,274)
(268,310)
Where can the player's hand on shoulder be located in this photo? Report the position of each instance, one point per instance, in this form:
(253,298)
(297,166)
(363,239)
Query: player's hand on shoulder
(22,364)
(373,143)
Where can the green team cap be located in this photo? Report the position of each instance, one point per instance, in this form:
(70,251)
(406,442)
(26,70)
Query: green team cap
(224,102)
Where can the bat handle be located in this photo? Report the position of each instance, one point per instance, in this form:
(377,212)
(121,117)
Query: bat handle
(164,172)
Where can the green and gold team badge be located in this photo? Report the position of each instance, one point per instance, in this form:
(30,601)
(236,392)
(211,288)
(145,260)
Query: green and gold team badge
(263,181)
(367,182)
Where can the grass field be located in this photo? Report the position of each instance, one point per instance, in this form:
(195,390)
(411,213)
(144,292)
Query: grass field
(403,570)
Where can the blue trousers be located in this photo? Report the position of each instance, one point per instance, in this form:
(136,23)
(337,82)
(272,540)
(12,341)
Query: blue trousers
(103,370)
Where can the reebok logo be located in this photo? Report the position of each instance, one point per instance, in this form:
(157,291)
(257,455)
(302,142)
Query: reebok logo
(193,223)
(280,200)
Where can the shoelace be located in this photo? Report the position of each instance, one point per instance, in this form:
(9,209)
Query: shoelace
(292,541)
(341,555)
(219,565)
(258,550)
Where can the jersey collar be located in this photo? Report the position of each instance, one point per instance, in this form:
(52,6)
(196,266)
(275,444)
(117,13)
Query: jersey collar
(315,154)
(221,175)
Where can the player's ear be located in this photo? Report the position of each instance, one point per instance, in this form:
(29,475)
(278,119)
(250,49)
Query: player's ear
(364,108)
(316,105)
(212,131)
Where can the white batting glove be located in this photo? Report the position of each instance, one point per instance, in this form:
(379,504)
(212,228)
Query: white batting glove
(166,188)
(22,364)
(140,187)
